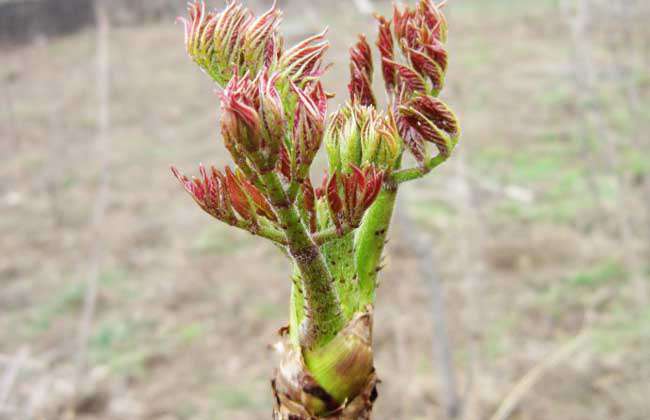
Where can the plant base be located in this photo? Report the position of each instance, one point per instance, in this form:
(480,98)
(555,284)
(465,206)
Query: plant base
(347,362)
(359,408)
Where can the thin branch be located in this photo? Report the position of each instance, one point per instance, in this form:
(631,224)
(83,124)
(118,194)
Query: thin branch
(268,232)
(410,174)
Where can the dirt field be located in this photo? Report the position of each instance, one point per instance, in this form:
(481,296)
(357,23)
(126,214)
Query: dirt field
(529,240)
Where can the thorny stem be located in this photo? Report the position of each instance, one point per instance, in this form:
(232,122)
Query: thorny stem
(323,317)
(370,240)
(297,310)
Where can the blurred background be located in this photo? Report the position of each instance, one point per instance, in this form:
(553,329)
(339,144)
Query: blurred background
(517,278)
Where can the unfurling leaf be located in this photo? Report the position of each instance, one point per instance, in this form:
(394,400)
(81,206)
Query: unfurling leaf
(309,204)
(433,122)
(385,45)
(350,195)
(304,61)
(361,72)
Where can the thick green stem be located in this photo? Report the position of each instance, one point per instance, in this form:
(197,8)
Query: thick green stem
(339,255)
(370,240)
(296,308)
(323,318)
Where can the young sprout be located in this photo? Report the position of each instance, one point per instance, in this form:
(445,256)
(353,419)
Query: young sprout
(273,122)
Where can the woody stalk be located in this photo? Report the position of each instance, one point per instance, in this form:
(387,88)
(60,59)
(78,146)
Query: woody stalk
(274,121)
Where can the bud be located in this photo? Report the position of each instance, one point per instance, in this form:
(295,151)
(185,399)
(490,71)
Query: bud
(420,32)
(231,41)
(272,119)
(361,69)
(332,140)
(209,192)
(240,121)
(246,199)
(434,19)
(261,40)
(309,204)
(350,195)
(412,24)
(359,135)
(309,125)
(343,139)
(252,121)
(199,29)
(229,197)
(213,40)
(384,148)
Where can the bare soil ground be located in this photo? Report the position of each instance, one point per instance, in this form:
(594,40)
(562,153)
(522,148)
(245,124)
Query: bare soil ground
(188,308)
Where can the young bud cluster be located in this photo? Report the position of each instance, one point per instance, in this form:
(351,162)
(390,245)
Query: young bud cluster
(420,33)
(253,122)
(273,103)
(234,42)
(228,196)
(273,123)
(230,41)
(360,135)
(308,128)
(430,120)
(415,78)
(350,195)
